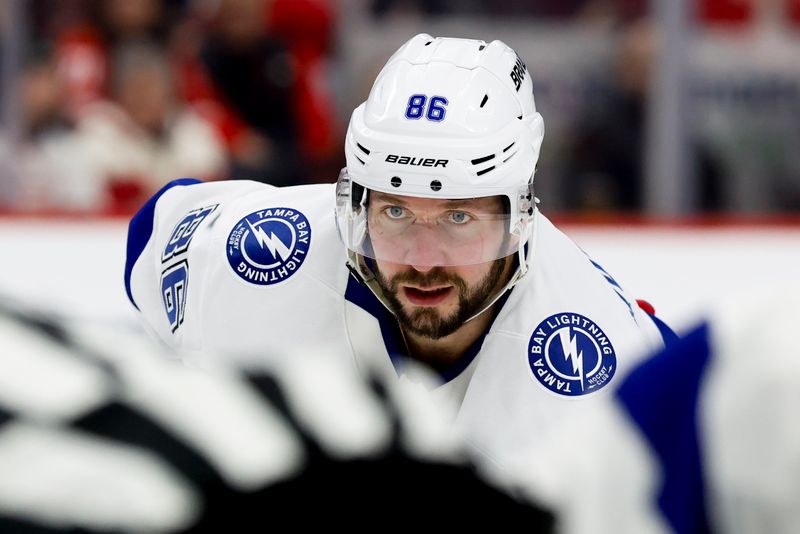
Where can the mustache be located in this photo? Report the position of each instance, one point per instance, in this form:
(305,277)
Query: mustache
(436,276)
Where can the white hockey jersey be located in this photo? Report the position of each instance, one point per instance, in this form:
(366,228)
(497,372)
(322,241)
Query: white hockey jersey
(246,268)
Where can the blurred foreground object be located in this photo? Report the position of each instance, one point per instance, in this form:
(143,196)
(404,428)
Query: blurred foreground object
(99,434)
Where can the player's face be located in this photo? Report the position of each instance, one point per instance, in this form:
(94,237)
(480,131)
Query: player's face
(430,293)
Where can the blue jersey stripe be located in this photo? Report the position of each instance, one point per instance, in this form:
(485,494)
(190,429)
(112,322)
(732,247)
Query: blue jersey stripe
(608,276)
(661,396)
(140,229)
(614,284)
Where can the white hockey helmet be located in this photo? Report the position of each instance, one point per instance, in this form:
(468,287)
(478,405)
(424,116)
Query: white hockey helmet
(445,119)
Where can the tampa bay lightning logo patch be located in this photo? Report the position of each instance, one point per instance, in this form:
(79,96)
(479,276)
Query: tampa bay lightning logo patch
(570,355)
(268,246)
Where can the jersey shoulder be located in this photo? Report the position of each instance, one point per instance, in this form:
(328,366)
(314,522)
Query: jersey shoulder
(565,279)
(573,326)
(197,248)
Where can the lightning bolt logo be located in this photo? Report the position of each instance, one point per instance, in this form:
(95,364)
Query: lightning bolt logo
(275,246)
(569,354)
(569,344)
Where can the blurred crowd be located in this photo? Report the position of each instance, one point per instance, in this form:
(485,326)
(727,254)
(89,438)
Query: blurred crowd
(119,96)
(112,98)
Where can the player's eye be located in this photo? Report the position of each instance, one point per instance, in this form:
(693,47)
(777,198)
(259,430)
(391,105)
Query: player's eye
(395,212)
(459,217)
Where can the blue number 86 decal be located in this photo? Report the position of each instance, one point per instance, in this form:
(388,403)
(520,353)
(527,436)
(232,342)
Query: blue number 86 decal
(435,110)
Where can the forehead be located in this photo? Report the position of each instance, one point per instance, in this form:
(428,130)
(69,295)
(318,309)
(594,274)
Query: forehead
(494,203)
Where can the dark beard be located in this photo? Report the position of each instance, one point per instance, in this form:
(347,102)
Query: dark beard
(426,322)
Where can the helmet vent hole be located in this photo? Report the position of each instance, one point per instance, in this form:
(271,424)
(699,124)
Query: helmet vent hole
(485,99)
(361,160)
(396,181)
(429,42)
(436,185)
(481,160)
(364,150)
(484,171)
(506,149)
(481,47)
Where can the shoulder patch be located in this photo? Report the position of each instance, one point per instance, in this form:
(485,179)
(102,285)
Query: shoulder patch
(268,246)
(570,355)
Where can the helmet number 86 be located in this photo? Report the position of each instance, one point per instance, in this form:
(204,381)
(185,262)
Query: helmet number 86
(435,110)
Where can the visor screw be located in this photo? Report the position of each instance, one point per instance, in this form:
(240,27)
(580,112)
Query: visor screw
(396,181)
(436,185)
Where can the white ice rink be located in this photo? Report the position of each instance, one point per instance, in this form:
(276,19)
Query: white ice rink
(76,267)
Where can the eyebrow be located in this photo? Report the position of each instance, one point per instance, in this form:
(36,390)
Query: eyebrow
(383,197)
(456,202)
(453,202)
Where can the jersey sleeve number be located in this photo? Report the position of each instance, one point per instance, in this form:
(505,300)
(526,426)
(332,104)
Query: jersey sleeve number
(184,231)
(174,283)
(175,278)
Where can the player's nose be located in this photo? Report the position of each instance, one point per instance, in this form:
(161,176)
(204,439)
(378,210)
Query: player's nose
(425,251)
(422,268)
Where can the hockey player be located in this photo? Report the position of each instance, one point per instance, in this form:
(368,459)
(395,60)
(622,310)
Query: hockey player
(446,258)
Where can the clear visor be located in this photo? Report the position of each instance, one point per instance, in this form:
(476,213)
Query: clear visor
(426,231)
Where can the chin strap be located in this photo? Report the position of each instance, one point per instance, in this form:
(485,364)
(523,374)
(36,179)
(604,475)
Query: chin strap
(362,272)
(523,265)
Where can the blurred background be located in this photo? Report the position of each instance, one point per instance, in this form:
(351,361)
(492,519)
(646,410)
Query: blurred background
(671,146)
